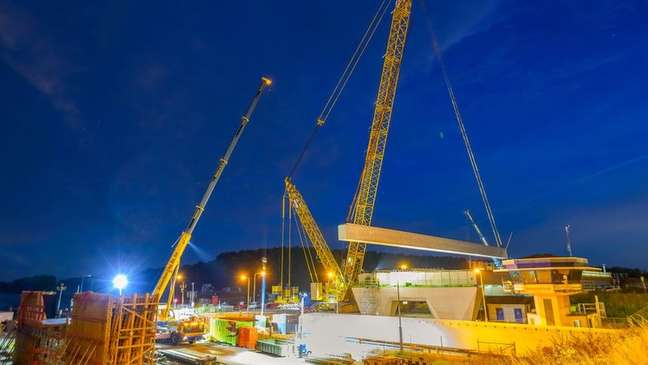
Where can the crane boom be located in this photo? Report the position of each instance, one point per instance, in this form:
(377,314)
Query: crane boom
(316,237)
(472,222)
(363,204)
(173,263)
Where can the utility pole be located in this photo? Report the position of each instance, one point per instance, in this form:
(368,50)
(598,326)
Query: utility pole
(568,236)
(183,286)
(400,321)
(478,271)
(60,288)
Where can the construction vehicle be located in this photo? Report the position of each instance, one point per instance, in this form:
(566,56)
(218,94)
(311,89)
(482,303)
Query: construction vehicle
(192,328)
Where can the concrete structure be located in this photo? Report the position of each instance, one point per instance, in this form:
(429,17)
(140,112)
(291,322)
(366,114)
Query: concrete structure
(550,280)
(446,294)
(394,238)
(335,334)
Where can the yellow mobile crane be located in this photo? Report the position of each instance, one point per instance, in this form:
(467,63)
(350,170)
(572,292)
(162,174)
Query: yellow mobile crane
(362,206)
(170,272)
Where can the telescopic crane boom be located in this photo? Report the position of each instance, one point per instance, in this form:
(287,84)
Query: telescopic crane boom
(172,265)
(472,222)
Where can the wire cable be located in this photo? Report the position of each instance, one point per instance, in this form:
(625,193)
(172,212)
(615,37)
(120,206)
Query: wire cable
(464,134)
(343,80)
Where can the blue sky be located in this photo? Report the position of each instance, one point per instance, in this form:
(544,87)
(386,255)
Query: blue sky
(114,116)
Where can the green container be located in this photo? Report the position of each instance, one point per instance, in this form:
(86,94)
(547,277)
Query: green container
(226,331)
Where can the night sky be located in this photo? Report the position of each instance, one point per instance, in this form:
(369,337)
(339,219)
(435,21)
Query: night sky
(114,115)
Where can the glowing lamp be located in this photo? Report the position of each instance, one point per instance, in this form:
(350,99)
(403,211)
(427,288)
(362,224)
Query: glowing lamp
(120,281)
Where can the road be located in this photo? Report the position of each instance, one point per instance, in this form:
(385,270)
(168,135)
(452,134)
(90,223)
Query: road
(229,355)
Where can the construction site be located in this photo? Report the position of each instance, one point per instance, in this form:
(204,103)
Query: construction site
(496,310)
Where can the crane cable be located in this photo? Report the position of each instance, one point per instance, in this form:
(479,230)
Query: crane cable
(342,81)
(283,234)
(308,255)
(464,134)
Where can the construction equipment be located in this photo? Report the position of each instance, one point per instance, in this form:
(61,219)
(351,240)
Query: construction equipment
(170,271)
(466,140)
(472,222)
(336,286)
(568,239)
(362,206)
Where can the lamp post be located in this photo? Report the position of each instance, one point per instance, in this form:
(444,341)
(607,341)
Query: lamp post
(263,290)
(247,278)
(254,287)
(402,267)
(478,271)
(182,286)
(80,287)
(193,295)
(120,281)
(60,288)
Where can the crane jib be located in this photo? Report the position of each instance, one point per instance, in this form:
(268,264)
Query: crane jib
(173,263)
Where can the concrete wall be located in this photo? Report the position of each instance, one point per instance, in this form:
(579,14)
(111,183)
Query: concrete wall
(444,303)
(328,333)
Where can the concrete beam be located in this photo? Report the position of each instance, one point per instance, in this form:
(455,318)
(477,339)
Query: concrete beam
(394,238)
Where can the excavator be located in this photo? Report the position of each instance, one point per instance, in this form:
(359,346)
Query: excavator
(361,211)
(176,330)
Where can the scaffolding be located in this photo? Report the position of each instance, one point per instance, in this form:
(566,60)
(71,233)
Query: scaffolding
(121,330)
(103,330)
(37,339)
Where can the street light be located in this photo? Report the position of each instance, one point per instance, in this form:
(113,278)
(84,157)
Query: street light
(60,288)
(244,277)
(402,267)
(254,278)
(183,286)
(478,271)
(120,281)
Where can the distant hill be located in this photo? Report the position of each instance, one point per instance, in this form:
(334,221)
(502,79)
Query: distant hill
(224,270)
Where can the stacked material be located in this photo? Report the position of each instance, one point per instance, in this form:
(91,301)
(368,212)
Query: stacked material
(276,347)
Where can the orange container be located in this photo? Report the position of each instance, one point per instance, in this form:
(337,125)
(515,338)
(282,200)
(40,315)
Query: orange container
(247,337)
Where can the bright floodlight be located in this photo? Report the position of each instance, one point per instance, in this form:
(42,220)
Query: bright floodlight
(119,282)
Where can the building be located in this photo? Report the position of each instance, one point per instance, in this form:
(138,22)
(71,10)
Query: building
(551,280)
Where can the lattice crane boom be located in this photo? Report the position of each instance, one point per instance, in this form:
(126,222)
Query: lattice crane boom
(314,234)
(365,199)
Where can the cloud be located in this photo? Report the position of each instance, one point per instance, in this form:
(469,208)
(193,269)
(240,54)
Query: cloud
(31,54)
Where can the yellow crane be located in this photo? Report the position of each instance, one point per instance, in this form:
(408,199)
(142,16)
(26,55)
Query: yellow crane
(336,283)
(173,264)
(362,207)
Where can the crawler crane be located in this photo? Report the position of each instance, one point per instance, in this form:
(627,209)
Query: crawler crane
(363,203)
